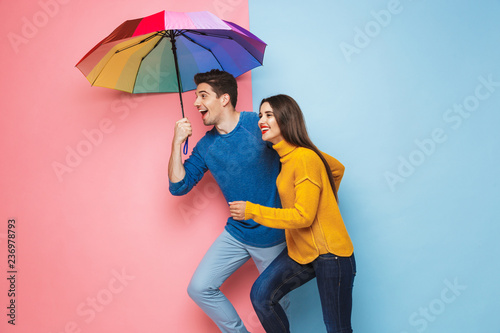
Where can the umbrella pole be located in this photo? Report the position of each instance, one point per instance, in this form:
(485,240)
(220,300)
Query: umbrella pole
(174,50)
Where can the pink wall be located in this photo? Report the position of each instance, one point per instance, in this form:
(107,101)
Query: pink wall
(101,245)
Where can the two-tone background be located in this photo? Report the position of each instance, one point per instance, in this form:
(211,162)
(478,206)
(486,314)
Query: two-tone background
(405,93)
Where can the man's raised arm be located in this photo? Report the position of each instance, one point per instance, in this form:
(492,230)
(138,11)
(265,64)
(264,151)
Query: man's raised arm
(182,131)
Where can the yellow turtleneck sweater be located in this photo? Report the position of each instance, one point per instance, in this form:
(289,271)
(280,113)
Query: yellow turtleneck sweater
(310,213)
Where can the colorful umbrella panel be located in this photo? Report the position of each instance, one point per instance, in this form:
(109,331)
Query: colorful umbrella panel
(138,56)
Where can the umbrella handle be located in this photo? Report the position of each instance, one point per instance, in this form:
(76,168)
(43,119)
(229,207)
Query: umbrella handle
(185,148)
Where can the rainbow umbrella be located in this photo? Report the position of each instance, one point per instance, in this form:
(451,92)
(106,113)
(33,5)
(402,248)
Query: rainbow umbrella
(162,53)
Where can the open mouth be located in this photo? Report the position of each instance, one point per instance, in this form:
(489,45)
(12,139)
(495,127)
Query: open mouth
(264,129)
(203,113)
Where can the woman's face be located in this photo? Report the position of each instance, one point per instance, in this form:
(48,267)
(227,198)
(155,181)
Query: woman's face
(268,124)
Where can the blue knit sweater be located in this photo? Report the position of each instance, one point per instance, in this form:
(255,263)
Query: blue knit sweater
(245,167)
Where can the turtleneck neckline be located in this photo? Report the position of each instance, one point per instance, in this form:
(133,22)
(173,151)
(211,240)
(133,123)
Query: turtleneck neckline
(284,148)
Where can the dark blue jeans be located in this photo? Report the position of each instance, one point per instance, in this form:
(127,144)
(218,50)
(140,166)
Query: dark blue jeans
(334,275)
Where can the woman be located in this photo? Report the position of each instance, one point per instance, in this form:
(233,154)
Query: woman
(317,240)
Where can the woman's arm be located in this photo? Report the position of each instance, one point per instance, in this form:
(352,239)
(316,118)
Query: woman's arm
(336,167)
(300,216)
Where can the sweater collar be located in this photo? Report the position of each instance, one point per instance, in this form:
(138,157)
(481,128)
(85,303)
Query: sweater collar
(284,148)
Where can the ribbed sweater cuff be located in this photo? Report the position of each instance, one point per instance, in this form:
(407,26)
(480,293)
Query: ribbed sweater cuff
(249,210)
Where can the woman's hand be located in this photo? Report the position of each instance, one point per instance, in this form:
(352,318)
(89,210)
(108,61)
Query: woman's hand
(237,209)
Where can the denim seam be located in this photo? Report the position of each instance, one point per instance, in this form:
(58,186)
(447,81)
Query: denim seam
(352,265)
(338,291)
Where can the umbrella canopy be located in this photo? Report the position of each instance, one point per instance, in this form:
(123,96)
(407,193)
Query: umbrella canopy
(140,55)
(163,52)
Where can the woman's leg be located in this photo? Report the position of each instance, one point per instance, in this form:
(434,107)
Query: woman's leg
(335,278)
(263,257)
(278,279)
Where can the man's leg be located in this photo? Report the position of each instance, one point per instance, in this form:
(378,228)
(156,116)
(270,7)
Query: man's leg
(263,256)
(222,259)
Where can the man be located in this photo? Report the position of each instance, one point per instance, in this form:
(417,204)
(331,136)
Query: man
(245,168)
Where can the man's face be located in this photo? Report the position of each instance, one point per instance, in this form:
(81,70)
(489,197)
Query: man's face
(208,104)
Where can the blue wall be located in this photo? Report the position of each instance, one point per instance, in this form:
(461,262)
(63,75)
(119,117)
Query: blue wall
(407,95)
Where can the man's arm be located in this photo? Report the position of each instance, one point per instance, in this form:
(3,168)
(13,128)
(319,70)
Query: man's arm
(182,131)
(184,176)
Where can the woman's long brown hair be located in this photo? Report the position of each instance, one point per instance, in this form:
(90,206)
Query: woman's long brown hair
(293,128)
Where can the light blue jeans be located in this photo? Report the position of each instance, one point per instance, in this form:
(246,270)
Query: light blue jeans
(222,259)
